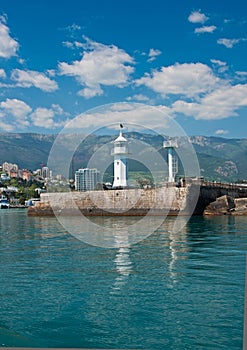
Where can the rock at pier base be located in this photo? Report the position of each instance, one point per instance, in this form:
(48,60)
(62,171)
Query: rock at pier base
(227,205)
(240,206)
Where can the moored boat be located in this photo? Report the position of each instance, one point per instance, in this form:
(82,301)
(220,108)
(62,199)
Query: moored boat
(4,203)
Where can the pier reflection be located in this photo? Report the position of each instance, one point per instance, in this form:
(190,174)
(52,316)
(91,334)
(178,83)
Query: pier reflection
(101,230)
(177,244)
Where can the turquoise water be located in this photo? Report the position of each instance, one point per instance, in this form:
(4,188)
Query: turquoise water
(170,291)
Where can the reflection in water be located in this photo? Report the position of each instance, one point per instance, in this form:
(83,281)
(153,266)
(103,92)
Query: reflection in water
(123,267)
(232,222)
(177,243)
(174,257)
(101,231)
(228,224)
(122,261)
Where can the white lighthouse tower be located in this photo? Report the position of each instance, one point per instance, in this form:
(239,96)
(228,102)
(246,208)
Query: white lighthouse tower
(120,152)
(172,159)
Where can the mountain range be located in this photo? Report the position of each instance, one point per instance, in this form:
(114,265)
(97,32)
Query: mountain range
(220,159)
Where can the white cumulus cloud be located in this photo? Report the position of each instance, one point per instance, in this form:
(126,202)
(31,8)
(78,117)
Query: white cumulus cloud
(197,17)
(16,114)
(48,118)
(153,54)
(199,90)
(221,132)
(244,74)
(229,43)
(5,126)
(8,45)
(28,78)
(139,115)
(205,29)
(188,79)
(219,65)
(219,104)
(241,76)
(90,91)
(138,97)
(17,109)
(2,73)
(218,62)
(100,65)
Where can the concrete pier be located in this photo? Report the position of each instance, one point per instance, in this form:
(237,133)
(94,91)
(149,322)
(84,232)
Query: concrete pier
(167,200)
(126,202)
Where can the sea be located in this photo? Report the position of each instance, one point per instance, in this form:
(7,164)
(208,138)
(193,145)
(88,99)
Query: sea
(171,290)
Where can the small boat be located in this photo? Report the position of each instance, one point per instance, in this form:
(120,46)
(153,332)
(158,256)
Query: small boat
(4,203)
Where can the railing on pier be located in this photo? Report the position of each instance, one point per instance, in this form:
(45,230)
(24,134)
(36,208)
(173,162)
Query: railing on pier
(219,184)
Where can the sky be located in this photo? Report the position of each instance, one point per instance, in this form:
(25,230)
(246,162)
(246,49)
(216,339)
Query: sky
(60,59)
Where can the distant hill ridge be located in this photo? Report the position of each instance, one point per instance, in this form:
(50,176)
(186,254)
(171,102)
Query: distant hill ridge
(219,158)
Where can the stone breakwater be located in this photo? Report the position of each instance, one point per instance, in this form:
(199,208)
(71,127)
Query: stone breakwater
(205,198)
(125,202)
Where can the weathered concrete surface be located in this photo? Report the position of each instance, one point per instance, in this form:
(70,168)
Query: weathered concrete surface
(227,205)
(195,198)
(159,201)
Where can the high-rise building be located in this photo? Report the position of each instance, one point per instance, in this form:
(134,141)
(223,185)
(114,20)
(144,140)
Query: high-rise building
(7,167)
(86,179)
(45,172)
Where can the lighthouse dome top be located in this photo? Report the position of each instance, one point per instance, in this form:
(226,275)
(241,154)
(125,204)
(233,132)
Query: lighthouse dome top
(120,138)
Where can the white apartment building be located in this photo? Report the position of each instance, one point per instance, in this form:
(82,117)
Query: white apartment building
(7,167)
(86,179)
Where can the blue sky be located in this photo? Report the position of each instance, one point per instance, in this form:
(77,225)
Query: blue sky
(61,58)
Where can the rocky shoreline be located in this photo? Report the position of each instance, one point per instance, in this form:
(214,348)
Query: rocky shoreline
(227,205)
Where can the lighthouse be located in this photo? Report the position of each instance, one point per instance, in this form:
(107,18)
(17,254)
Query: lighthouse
(172,159)
(120,153)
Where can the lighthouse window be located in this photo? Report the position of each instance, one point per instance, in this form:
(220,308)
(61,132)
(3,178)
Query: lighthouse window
(117,178)
(117,163)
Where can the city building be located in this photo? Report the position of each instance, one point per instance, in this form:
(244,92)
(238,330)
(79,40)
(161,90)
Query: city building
(37,172)
(13,174)
(86,179)
(45,172)
(7,167)
(27,175)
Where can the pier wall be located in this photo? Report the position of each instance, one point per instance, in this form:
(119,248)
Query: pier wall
(114,202)
(170,200)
